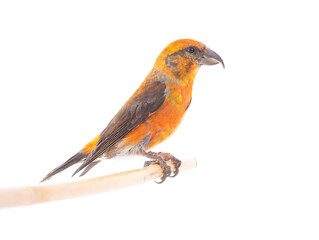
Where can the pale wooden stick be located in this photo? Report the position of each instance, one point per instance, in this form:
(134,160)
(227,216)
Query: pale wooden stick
(28,195)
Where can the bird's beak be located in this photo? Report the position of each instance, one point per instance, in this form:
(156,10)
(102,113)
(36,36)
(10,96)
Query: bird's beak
(211,58)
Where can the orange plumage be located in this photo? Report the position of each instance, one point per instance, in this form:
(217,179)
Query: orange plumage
(153,112)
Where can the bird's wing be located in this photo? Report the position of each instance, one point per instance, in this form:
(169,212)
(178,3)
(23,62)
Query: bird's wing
(136,111)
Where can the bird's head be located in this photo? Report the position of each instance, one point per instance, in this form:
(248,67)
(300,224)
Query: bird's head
(182,58)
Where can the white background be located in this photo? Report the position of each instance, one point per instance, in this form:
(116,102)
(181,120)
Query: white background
(66,67)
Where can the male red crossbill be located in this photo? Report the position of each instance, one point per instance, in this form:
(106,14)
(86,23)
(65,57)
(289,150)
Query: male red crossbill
(152,113)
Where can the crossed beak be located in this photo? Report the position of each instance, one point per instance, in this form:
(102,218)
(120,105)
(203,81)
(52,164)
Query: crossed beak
(211,58)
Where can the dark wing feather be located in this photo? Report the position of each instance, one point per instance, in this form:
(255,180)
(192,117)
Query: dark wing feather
(78,157)
(128,118)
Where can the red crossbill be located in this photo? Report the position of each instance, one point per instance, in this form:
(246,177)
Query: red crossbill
(152,113)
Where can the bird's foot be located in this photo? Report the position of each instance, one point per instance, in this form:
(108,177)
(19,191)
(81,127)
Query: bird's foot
(165,157)
(160,161)
(169,157)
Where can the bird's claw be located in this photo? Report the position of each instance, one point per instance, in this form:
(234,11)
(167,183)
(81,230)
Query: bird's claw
(161,159)
(165,168)
(169,157)
(166,171)
(177,164)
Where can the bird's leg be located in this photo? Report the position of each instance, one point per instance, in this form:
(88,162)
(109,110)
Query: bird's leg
(157,159)
(171,158)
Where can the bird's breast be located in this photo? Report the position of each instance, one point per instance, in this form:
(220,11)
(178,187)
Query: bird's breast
(163,122)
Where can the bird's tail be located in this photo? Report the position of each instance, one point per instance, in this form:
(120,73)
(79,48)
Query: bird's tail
(78,157)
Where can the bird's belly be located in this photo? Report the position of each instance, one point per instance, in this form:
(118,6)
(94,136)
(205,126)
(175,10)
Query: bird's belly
(157,127)
(164,123)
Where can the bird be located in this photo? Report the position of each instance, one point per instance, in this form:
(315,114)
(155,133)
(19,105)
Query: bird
(152,113)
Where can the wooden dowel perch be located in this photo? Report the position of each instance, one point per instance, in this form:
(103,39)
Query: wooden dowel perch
(28,195)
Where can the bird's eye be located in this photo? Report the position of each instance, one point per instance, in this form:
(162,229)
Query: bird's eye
(190,49)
